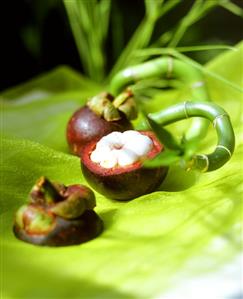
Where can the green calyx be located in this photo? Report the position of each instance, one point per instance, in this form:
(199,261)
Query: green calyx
(56,199)
(75,205)
(19,216)
(34,219)
(45,192)
(41,222)
(103,106)
(125,103)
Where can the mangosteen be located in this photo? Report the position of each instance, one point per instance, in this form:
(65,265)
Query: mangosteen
(57,215)
(100,116)
(114,165)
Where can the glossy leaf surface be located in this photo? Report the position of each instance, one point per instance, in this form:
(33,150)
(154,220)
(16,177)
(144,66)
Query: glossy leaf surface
(192,225)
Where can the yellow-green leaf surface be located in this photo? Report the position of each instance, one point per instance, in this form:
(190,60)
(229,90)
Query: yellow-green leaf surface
(39,110)
(190,227)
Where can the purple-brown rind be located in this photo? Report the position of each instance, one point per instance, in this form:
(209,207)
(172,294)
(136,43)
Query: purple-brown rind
(124,183)
(86,126)
(65,232)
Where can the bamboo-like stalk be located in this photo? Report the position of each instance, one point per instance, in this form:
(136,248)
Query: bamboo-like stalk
(221,122)
(168,68)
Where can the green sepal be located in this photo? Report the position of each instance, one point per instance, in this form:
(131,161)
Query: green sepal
(110,113)
(45,192)
(74,206)
(42,222)
(34,220)
(89,199)
(19,216)
(121,98)
(98,103)
(102,106)
(125,103)
(129,108)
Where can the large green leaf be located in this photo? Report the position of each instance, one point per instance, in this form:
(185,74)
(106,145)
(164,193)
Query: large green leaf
(148,244)
(40,109)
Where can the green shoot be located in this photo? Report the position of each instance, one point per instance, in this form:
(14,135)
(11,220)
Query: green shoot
(177,54)
(143,33)
(159,51)
(89,37)
(197,11)
(233,8)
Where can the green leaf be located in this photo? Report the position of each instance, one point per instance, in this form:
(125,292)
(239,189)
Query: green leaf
(39,110)
(206,71)
(143,33)
(190,226)
(160,51)
(176,52)
(141,233)
(165,158)
(197,11)
(233,8)
(165,137)
(89,37)
(62,78)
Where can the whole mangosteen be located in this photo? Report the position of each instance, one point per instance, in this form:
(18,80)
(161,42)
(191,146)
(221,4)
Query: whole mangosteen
(100,116)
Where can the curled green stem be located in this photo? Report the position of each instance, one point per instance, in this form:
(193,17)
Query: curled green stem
(221,122)
(168,68)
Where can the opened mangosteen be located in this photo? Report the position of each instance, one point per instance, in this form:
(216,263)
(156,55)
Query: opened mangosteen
(114,165)
(100,116)
(57,215)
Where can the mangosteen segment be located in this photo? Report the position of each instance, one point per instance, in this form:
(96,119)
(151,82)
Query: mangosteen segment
(121,149)
(114,165)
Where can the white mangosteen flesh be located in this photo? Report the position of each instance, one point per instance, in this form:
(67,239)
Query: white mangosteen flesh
(121,149)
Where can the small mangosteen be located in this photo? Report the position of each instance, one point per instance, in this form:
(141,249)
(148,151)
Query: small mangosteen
(57,215)
(100,116)
(114,165)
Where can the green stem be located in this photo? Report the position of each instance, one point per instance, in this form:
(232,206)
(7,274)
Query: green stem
(170,68)
(198,10)
(221,122)
(89,37)
(142,36)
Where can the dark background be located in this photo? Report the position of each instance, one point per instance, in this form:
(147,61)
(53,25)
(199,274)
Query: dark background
(36,35)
